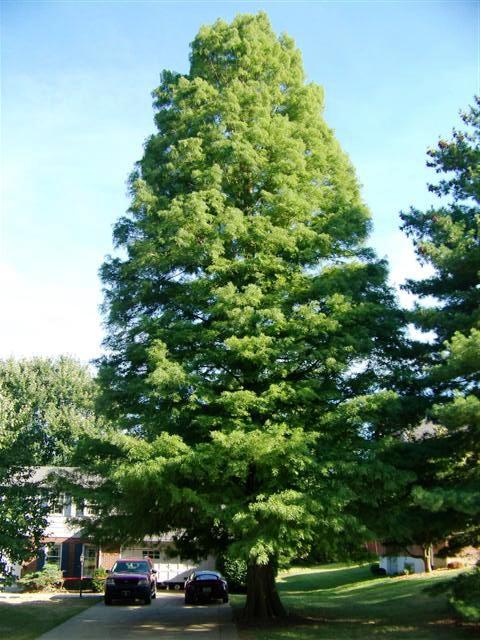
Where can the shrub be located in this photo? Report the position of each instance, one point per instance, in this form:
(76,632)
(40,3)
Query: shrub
(455,565)
(409,568)
(98,580)
(50,577)
(234,571)
(377,570)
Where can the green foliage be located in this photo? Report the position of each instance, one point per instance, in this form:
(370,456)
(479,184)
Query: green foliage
(98,580)
(50,577)
(46,407)
(446,237)
(252,338)
(234,571)
(441,500)
(23,517)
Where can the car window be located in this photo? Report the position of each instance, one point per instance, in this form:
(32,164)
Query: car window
(123,566)
(207,576)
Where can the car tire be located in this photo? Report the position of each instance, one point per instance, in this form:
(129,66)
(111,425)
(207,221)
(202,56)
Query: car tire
(148,599)
(225,599)
(108,601)
(188,600)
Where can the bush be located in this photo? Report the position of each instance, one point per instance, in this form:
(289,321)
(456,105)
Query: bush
(455,565)
(50,577)
(409,568)
(98,580)
(234,570)
(377,570)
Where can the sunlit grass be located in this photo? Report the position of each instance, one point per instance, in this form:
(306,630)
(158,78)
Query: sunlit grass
(30,619)
(343,602)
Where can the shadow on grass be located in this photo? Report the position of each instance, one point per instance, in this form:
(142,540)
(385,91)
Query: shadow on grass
(60,598)
(348,603)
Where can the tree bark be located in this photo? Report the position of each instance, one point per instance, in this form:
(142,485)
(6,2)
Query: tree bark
(263,601)
(426,554)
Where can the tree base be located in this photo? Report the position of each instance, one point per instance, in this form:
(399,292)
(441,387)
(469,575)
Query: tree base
(263,602)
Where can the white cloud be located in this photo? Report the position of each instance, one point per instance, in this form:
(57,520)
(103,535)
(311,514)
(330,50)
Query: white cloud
(48,319)
(403,264)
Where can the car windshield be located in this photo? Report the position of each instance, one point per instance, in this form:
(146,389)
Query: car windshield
(124,566)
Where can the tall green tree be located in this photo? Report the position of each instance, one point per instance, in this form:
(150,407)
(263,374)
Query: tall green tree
(46,407)
(446,237)
(444,497)
(250,329)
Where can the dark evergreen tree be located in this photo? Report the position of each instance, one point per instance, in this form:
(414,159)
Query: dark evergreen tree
(442,499)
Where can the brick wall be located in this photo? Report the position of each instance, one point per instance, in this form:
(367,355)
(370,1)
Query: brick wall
(107,558)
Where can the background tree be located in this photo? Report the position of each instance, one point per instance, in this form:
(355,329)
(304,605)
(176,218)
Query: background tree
(442,500)
(46,407)
(247,317)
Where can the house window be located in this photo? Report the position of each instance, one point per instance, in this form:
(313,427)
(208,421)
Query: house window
(154,554)
(53,554)
(84,508)
(56,504)
(60,505)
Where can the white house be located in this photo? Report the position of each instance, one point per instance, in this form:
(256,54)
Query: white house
(64,544)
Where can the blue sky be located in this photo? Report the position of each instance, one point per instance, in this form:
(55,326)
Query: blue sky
(76,108)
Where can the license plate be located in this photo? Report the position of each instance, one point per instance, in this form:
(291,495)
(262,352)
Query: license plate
(207,590)
(126,594)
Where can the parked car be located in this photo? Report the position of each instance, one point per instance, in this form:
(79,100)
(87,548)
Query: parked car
(203,586)
(131,579)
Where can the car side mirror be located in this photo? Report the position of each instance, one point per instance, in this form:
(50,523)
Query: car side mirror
(107,570)
(154,571)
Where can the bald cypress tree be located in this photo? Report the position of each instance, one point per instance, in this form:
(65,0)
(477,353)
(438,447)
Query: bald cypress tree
(250,328)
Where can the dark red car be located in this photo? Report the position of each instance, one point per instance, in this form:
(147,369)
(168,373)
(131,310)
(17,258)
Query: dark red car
(131,579)
(204,586)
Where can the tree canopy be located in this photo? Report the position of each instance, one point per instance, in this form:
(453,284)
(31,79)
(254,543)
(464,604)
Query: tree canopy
(251,332)
(442,500)
(46,407)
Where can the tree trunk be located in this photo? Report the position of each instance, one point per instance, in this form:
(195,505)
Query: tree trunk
(426,555)
(263,601)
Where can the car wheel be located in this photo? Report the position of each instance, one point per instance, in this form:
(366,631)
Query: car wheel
(148,599)
(108,601)
(188,600)
(225,599)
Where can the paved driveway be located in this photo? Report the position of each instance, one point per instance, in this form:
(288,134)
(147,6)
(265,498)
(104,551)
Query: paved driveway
(167,618)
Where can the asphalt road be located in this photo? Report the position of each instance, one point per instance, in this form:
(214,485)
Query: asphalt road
(167,618)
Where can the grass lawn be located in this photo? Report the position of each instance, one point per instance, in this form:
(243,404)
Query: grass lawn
(29,620)
(348,603)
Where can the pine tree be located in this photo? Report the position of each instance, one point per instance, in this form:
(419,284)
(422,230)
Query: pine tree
(250,329)
(444,498)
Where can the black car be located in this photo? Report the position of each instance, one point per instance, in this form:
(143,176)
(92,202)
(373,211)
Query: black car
(204,586)
(131,580)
